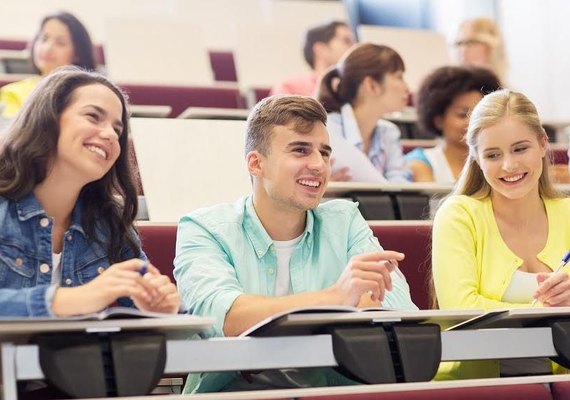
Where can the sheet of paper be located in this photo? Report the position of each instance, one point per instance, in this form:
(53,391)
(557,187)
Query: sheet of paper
(345,154)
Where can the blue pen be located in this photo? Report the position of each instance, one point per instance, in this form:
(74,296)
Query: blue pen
(560,266)
(144,269)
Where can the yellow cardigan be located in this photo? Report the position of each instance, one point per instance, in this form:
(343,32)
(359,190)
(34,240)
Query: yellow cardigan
(13,95)
(472,265)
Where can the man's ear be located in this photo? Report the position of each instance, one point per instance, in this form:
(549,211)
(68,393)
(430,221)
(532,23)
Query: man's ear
(319,49)
(254,161)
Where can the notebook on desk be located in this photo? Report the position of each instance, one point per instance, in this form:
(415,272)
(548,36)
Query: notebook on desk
(315,320)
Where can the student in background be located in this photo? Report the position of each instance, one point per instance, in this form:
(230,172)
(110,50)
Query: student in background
(479,42)
(67,205)
(324,45)
(444,101)
(366,84)
(61,40)
(280,248)
(500,235)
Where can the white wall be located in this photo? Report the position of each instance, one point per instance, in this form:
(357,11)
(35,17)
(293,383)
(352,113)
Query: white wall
(537,33)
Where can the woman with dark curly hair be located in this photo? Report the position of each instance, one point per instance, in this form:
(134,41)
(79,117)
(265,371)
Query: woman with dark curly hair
(67,205)
(444,102)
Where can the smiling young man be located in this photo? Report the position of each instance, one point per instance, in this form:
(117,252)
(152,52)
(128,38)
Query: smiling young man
(279,248)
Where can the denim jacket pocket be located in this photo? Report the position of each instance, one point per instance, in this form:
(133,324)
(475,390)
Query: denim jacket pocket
(18,266)
(89,268)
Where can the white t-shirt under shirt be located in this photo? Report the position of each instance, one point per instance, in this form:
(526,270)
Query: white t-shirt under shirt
(56,272)
(283,250)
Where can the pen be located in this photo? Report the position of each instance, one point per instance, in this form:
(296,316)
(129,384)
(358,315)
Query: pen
(560,266)
(377,243)
(144,269)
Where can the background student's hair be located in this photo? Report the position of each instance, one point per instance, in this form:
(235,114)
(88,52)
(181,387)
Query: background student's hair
(489,111)
(31,144)
(441,87)
(340,84)
(82,45)
(321,33)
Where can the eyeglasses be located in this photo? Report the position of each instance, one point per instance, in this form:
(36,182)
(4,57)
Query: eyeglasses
(467,43)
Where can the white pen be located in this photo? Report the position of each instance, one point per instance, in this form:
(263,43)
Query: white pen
(560,266)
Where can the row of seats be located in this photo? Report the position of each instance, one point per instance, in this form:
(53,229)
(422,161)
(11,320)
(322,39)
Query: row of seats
(221,62)
(411,238)
(535,391)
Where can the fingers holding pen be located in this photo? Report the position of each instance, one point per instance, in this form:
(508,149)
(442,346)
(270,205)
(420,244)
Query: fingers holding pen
(165,294)
(553,289)
(369,272)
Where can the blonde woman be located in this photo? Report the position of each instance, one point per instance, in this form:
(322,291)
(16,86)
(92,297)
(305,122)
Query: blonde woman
(498,238)
(479,42)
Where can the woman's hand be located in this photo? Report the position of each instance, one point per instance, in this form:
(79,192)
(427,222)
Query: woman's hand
(553,289)
(165,297)
(119,280)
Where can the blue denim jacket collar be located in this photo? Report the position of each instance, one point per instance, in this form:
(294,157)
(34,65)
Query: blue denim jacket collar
(29,207)
(259,237)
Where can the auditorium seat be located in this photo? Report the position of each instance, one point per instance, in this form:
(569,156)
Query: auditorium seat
(559,155)
(6,79)
(223,66)
(377,206)
(412,206)
(414,240)
(257,94)
(560,390)
(13,44)
(534,391)
(159,245)
(16,44)
(393,205)
(182,97)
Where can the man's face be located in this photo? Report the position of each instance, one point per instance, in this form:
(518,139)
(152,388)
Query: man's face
(294,173)
(338,45)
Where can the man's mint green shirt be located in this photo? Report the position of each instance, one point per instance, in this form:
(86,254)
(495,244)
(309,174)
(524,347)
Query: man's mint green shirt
(224,251)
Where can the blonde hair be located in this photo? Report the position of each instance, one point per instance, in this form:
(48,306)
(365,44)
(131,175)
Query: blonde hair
(486,31)
(488,112)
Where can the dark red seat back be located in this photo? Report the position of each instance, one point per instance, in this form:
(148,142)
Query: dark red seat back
(414,240)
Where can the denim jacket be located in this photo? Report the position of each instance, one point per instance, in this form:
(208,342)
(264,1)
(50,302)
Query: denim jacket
(26,257)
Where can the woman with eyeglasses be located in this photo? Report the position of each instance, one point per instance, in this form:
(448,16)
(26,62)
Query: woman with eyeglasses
(480,43)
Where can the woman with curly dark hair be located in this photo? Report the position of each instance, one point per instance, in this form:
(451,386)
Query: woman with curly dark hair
(67,205)
(444,102)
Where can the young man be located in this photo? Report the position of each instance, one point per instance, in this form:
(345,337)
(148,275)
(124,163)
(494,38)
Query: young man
(324,45)
(278,248)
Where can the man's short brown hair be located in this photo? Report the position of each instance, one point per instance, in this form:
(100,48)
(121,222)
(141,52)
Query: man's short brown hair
(281,110)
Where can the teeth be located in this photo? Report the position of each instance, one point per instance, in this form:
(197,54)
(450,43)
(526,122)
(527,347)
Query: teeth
(306,182)
(97,150)
(513,178)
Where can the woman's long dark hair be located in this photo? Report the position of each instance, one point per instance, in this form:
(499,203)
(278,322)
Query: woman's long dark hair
(362,60)
(82,44)
(31,144)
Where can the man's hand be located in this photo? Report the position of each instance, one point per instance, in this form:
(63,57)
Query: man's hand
(369,272)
